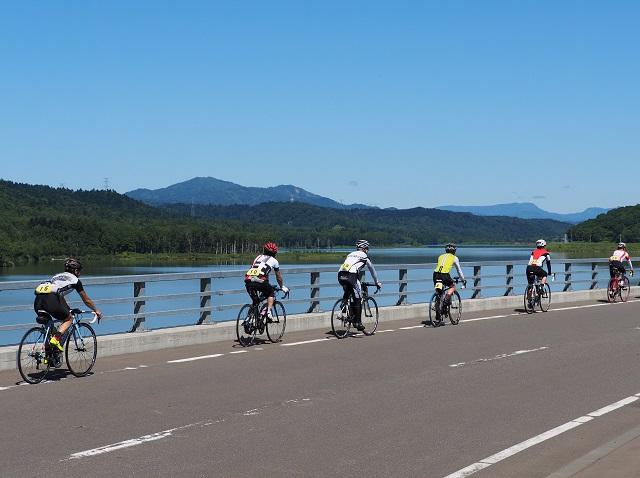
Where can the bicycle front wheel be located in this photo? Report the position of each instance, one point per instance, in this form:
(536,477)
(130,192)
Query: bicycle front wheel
(435,317)
(369,316)
(275,328)
(81,349)
(455,309)
(246,327)
(33,364)
(340,320)
(544,299)
(529,299)
(624,289)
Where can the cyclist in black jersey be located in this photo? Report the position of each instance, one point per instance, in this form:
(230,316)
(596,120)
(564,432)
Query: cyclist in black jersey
(50,298)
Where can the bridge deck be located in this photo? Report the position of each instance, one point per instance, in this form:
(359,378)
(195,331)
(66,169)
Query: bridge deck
(409,401)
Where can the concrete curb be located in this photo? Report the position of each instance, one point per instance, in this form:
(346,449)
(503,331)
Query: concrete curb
(119,344)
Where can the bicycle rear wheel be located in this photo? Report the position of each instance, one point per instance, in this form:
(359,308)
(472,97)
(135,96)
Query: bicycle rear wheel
(275,328)
(624,289)
(529,299)
(611,290)
(545,298)
(81,349)
(246,327)
(33,364)
(340,319)
(434,310)
(455,309)
(369,316)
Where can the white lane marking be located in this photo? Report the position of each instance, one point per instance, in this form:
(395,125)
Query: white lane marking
(324,339)
(499,357)
(508,452)
(125,369)
(412,327)
(7,388)
(392,330)
(239,352)
(613,406)
(191,359)
(134,441)
(489,318)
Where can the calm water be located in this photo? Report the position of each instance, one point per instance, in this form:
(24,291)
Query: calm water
(419,291)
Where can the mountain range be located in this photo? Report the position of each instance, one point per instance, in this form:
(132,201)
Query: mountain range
(212,191)
(527,210)
(224,193)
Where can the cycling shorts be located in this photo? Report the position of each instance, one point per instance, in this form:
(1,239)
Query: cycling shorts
(534,271)
(446,279)
(255,288)
(52,304)
(350,284)
(615,266)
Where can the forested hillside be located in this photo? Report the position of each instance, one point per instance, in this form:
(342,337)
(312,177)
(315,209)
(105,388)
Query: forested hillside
(40,221)
(618,223)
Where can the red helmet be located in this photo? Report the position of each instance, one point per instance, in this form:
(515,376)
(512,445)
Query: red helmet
(270,248)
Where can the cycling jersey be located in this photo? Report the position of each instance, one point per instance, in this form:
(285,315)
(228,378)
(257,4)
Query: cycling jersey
(261,267)
(446,262)
(621,255)
(355,261)
(61,284)
(539,256)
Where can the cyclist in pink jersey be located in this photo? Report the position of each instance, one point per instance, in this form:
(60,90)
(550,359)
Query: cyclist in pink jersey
(619,256)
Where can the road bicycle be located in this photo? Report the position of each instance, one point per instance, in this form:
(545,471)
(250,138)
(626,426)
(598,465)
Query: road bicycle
(439,308)
(537,295)
(342,318)
(619,287)
(36,357)
(252,320)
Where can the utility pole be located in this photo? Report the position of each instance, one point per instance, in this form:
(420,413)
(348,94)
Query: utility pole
(106,184)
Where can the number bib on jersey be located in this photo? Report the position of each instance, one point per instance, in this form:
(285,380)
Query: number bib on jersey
(613,258)
(46,288)
(345,267)
(253,272)
(439,285)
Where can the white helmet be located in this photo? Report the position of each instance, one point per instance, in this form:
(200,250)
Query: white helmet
(362,244)
(622,245)
(541,243)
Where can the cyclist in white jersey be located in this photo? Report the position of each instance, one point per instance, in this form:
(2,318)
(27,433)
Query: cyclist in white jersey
(348,277)
(50,298)
(619,256)
(256,279)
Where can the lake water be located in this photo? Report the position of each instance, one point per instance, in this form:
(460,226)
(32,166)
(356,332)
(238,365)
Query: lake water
(419,291)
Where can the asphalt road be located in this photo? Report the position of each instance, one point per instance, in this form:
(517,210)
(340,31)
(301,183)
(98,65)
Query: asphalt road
(409,401)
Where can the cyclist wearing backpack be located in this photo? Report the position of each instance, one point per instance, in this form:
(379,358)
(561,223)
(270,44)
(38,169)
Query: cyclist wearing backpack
(50,298)
(348,278)
(256,278)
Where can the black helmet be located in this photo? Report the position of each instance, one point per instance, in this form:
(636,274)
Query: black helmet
(72,264)
(450,248)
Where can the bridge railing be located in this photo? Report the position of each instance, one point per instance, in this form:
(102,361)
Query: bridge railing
(136,301)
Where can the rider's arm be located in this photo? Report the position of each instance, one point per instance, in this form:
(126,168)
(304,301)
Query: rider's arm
(456,263)
(279,278)
(373,272)
(89,303)
(549,264)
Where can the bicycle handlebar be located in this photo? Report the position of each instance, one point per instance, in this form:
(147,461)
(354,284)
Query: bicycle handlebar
(371,284)
(80,312)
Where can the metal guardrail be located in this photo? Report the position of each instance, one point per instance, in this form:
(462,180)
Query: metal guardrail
(567,277)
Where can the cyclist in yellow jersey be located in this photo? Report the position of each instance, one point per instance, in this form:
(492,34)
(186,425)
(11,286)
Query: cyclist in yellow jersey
(445,263)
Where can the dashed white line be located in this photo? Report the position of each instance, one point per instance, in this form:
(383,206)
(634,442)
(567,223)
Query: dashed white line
(324,339)
(499,357)
(508,452)
(383,331)
(239,352)
(191,359)
(411,327)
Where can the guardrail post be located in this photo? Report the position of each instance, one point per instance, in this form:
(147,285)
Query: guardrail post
(205,301)
(402,288)
(477,282)
(138,307)
(594,275)
(315,292)
(509,290)
(567,277)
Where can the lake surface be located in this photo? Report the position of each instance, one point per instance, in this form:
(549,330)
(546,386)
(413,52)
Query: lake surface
(419,289)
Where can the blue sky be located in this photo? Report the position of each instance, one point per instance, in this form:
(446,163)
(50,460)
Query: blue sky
(405,103)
